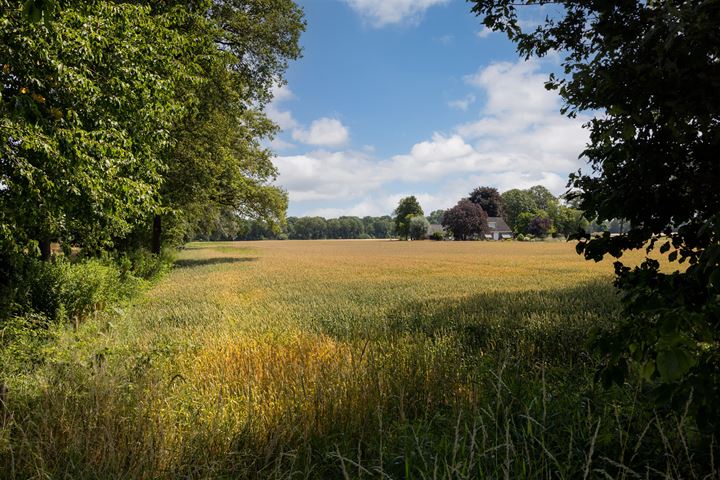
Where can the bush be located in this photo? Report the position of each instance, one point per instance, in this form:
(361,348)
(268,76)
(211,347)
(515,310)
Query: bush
(418,227)
(64,290)
(143,264)
(365,236)
(437,236)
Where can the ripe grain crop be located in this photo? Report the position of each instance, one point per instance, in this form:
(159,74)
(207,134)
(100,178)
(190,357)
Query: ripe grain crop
(345,359)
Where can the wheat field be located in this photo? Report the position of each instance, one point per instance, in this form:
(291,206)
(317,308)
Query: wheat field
(344,359)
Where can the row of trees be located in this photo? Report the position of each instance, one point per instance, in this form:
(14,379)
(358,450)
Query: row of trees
(535,211)
(126,125)
(228,226)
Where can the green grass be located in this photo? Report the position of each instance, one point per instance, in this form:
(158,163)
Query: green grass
(346,359)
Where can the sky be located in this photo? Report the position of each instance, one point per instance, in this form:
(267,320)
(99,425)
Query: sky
(414,97)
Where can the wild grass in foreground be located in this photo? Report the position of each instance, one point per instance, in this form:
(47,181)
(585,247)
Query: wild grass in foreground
(345,359)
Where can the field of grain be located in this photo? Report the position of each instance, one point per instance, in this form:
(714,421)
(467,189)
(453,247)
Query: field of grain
(343,359)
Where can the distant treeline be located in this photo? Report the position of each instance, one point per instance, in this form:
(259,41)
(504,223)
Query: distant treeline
(228,227)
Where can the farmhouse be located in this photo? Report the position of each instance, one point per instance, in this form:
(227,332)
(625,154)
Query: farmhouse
(499,230)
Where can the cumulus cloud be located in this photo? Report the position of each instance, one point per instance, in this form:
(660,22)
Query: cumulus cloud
(323,132)
(519,140)
(284,118)
(463,103)
(327,132)
(387,12)
(323,175)
(484,32)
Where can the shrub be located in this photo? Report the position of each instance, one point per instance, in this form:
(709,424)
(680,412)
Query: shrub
(437,236)
(144,264)
(418,227)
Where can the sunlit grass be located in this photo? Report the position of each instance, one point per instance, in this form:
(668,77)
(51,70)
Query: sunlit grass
(331,359)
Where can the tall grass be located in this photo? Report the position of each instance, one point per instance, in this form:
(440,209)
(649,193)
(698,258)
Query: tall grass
(347,360)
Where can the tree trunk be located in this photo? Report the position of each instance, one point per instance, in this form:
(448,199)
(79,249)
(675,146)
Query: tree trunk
(156,235)
(45,250)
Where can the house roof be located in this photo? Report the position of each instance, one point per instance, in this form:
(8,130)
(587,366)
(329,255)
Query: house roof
(500,224)
(435,227)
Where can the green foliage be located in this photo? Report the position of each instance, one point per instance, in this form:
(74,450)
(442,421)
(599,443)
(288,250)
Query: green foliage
(437,236)
(516,202)
(23,343)
(536,223)
(62,290)
(218,162)
(86,107)
(407,208)
(436,216)
(570,221)
(653,156)
(418,227)
(307,228)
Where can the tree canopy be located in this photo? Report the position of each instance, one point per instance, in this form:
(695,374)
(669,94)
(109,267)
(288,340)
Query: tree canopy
(407,208)
(489,199)
(115,113)
(466,220)
(418,227)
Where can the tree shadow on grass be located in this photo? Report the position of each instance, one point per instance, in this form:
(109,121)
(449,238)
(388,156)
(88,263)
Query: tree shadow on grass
(204,262)
(540,323)
(555,323)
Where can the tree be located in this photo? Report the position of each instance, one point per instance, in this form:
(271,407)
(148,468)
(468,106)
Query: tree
(309,228)
(652,69)
(544,199)
(382,227)
(540,225)
(350,227)
(489,199)
(515,202)
(466,220)
(570,221)
(406,209)
(86,108)
(436,216)
(218,157)
(418,227)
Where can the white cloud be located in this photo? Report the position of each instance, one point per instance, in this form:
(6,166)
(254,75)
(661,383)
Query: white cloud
(283,118)
(485,32)
(386,12)
(280,144)
(331,176)
(462,103)
(326,132)
(520,139)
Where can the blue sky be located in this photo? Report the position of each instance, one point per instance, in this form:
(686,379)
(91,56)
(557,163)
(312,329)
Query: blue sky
(399,97)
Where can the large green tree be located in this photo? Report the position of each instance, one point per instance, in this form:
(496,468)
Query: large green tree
(88,101)
(407,208)
(515,202)
(653,70)
(218,160)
